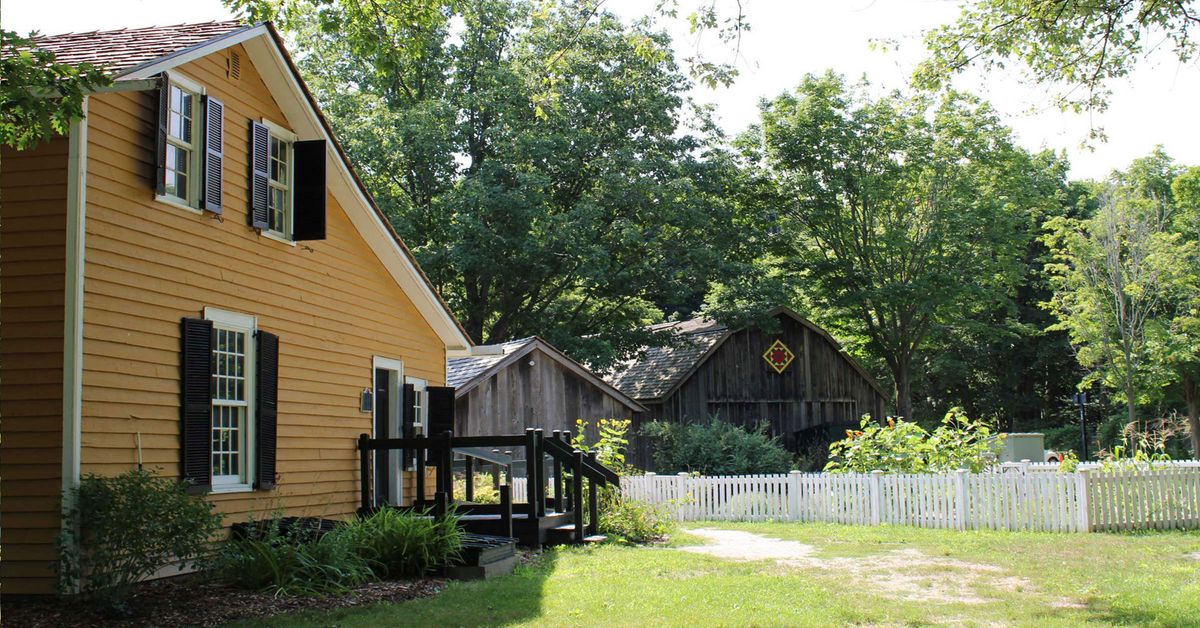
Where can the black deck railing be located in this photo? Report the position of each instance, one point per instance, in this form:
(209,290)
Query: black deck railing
(568,471)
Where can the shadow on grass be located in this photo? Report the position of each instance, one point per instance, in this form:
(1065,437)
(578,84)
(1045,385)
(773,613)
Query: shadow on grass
(502,600)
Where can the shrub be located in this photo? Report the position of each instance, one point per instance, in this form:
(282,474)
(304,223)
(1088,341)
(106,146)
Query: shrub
(404,544)
(300,562)
(612,437)
(632,521)
(718,448)
(129,527)
(903,447)
(485,493)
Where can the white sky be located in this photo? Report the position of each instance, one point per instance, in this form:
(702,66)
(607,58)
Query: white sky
(792,37)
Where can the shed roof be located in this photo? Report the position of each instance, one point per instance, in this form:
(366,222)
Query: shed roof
(659,370)
(465,373)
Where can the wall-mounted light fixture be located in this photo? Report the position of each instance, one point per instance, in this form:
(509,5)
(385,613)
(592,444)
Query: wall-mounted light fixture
(367,402)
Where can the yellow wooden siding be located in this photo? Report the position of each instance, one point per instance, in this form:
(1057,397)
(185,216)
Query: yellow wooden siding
(33,214)
(332,303)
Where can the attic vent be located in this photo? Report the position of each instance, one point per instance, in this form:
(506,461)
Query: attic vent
(234,69)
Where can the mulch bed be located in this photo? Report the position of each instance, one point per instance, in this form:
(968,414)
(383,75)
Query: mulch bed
(194,601)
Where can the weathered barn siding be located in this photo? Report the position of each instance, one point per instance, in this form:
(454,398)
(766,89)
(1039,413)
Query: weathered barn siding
(332,303)
(821,389)
(545,395)
(33,214)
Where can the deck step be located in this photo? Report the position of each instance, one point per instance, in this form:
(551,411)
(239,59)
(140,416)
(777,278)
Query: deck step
(595,538)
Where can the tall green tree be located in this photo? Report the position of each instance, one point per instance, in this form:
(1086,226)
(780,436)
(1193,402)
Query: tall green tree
(1182,352)
(904,213)
(1119,279)
(1077,46)
(576,221)
(39,96)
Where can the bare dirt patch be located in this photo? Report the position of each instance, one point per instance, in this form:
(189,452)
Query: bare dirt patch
(906,574)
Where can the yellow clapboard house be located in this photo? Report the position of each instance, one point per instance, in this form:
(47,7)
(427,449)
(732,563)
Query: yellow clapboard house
(194,279)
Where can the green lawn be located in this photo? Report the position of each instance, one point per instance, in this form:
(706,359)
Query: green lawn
(882,575)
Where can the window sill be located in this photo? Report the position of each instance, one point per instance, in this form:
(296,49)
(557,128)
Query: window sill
(174,202)
(231,488)
(276,237)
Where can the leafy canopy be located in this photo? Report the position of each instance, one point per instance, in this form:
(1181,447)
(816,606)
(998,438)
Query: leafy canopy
(39,96)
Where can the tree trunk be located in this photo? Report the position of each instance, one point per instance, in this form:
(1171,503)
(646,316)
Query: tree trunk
(1191,396)
(903,389)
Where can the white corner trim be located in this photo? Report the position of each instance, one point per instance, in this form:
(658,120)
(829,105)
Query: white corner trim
(72,429)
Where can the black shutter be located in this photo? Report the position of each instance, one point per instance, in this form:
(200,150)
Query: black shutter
(440,400)
(308,200)
(214,153)
(260,147)
(160,148)
(408,420)
(267,410)
(195,430)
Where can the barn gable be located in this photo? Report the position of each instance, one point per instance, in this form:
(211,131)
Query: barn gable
(812,390)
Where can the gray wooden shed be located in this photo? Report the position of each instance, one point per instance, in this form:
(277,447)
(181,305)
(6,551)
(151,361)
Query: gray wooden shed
(529,383)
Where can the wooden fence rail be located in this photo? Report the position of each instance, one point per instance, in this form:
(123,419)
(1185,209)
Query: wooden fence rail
(1089,500)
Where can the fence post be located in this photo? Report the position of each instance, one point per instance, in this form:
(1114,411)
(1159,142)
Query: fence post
(681,479)
(876,484)
(794,495)
(962,513)
(1082,477)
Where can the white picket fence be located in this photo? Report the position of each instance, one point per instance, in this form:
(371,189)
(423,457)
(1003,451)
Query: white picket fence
(1089,500)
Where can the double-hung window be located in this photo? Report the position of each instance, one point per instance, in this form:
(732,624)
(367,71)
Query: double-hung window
(280,176)
(184,140)
(233,400)
(420,404)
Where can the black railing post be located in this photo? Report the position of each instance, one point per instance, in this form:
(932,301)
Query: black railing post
(421,451)
(577,494)
(469,471)
(506,519)
(364,471)
(593,501)
(539,458)
(496,473)
(558,486)
(446,462)
(439,506)
(567,498)
(531,484)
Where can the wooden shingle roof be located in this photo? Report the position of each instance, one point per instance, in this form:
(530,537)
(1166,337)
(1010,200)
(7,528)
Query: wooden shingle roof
(460,371)
(126,48)
(658,370)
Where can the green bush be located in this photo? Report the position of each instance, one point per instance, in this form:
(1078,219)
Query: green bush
(632,521)
(903,447)
(485,493)
(129,527)
(718,448)
(302,562)
(403,544)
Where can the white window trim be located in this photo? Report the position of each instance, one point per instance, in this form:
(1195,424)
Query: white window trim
(249,325)
(278,131)
(421,387)
(194,177)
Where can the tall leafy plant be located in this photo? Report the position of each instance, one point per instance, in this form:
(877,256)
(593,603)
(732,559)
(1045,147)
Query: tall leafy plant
(119,530)
(900,446)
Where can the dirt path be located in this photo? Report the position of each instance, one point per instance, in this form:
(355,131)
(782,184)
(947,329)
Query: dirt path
(906,574)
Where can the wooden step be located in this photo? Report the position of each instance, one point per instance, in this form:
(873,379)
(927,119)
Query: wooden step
(595,538)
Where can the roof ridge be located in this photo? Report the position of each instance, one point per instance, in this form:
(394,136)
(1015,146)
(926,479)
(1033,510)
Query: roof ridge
(126,29)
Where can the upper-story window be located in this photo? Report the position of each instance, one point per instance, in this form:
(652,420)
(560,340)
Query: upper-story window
(280,180)
(183,142)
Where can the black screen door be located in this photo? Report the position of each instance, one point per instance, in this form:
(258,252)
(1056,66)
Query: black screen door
(382,430)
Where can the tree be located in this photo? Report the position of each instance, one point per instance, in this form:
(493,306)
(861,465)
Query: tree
(1080,45)
(904,213)
(575,223)
(39,96)
(1117,278)
(1183,347)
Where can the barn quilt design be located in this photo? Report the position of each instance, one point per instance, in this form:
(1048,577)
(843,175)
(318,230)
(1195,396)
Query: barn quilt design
(779,356)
